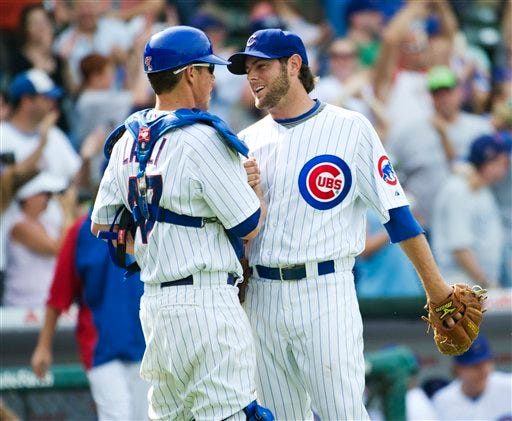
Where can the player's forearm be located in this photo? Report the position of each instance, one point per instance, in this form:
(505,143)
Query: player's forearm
(467,261)
(48,329)
(419,253)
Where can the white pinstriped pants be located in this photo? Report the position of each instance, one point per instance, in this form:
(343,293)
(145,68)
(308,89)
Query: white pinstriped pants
(309,347)
(199,357)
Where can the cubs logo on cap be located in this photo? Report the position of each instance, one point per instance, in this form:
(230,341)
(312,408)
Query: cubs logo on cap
(386,171)
(251,41)
(268,44)
(324,181)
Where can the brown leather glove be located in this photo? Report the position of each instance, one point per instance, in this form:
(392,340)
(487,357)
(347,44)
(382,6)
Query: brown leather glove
(468,302)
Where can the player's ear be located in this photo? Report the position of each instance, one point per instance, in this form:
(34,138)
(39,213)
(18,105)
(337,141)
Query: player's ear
(189,75)
(294,64)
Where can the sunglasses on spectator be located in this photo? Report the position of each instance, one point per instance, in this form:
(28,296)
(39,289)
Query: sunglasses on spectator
(343,54)
(210,66)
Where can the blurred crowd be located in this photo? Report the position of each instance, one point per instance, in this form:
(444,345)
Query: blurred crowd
(433,76)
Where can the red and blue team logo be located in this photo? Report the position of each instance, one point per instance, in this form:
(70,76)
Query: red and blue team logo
(325,181)
(386,171)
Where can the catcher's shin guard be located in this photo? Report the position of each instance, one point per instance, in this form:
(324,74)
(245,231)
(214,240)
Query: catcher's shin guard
(256,412)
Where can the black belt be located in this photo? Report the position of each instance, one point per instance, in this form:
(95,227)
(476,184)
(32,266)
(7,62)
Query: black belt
(189,280)
(295,272)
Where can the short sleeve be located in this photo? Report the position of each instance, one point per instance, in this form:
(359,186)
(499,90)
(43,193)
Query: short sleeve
(109,197)
(377,182)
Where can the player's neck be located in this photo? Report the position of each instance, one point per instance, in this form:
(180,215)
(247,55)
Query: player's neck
(174,101)
(292,105)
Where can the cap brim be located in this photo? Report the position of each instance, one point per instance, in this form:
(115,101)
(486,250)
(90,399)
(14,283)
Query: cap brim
(237,60)
(54,93)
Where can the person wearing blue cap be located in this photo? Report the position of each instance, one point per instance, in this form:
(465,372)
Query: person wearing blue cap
(321,167)
(467,232)
(175,173)
(33,96)
(478,392)
(31,136)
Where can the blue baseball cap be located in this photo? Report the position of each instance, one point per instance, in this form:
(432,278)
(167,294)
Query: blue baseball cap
(479,351)
(268,44)
(487,147)
(33,82)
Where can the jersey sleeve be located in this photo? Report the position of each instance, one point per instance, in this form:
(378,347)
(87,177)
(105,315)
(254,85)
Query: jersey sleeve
(221,173)
(66,284)
(377,183)
(109,197)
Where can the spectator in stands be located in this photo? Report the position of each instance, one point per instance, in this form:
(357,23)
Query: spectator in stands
(478,391)
(99,105)
(467,234)
(365,25)
(502,122)
(400,80)
(425,149)
(33,97)
(91,32)
(35,50)
(347,85)
(31,136)
(34,240)
(109,334)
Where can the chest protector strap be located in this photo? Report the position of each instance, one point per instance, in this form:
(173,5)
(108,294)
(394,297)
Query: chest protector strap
(146,134)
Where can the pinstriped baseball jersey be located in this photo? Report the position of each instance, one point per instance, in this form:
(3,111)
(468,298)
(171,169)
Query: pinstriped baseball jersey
(318,178)
(319,173)
(191,172)
(199,357)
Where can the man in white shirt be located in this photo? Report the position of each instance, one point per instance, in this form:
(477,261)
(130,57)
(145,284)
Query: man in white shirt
(478,392)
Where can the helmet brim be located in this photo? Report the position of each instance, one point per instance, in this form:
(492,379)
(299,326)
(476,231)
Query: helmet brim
(213,59)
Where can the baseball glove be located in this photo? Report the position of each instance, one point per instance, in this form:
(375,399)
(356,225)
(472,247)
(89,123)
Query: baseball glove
(468,302)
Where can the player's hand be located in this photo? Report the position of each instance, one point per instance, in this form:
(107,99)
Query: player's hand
(41,361)
(253,172)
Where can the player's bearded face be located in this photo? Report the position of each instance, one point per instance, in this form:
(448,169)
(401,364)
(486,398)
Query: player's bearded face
(276,90)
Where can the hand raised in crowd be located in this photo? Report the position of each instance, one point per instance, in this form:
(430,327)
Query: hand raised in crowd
(47,123)
(93,144)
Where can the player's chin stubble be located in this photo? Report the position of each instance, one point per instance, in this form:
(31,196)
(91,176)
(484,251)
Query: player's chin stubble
(276,90)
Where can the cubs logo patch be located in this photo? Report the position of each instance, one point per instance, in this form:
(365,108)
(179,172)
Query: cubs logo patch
(386,171)
(324,181)
(147,63)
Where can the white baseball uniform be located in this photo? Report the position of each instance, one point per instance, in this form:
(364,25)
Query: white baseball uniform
(495,403)
(319,171)
(199,356)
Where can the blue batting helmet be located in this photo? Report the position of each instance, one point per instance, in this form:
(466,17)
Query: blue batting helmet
(178,46)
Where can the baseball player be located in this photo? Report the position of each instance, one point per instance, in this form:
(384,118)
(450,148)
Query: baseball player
(321,167)
(177,169)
